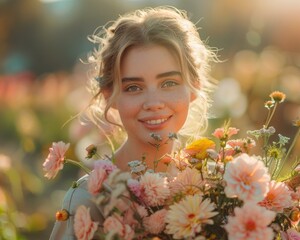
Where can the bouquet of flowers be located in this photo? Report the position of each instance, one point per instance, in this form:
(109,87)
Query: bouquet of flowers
(214,188)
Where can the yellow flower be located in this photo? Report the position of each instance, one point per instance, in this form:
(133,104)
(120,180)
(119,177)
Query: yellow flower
(277,96)
(198,148)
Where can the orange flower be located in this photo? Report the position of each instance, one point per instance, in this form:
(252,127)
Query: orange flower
(198,148)
(278,96)
(62,215)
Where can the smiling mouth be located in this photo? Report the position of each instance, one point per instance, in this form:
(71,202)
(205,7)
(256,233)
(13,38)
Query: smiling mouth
(156,121)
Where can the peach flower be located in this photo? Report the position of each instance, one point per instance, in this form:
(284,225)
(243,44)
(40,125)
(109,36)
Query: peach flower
(250,222)
(247,178)
(278,197)
(187,182)
(185,218)
(114,225)
(55,160)
(95,180)
(154,189)
(155,223)
(84,227)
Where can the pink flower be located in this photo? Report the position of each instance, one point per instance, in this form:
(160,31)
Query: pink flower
(296,194)
(155,189)
(221,133)
(134,186)
(290,234)
(106,164)
(247,178)
(250,222)
(242,145)
(114,225)
(55,160)
(278,197)
(155,223)
(84,227)
(95,180)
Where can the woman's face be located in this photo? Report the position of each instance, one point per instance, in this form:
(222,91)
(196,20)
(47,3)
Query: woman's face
(154,98)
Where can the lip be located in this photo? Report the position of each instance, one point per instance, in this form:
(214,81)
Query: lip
(156,122)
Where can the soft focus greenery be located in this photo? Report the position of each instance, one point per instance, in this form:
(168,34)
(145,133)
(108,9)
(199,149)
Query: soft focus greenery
(42,86)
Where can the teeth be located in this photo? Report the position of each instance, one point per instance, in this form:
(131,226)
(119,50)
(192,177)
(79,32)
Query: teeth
(157,121)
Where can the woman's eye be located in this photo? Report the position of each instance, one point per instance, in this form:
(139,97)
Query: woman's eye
(132,88)
(169,84)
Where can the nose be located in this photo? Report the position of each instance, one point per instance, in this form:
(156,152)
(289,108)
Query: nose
(153,103)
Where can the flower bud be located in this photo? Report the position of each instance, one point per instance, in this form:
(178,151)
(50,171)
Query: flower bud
(62,215)
(91,151)
(295,215)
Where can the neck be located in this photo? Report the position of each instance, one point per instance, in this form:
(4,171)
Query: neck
(130,151)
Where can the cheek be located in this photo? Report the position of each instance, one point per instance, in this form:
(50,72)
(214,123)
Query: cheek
(127,108)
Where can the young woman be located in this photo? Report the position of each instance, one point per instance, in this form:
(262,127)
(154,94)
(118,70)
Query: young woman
(151,69)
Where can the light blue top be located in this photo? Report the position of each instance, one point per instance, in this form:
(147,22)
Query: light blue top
(64,230)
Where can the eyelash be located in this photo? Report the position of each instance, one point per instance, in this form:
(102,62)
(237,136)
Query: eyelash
(135,88)
(169,83)
(129,88)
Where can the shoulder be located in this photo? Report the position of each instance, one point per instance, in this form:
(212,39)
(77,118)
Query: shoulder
(76,196)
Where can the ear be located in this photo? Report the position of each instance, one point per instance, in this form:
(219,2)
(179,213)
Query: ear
(193,96)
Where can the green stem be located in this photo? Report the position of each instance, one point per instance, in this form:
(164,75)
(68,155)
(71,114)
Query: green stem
(270,116)
(78,164)
(289,151)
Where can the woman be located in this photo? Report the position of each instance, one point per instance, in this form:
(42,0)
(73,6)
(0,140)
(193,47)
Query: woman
(151,69)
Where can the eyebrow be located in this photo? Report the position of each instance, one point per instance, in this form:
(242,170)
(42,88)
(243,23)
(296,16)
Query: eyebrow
(161,75)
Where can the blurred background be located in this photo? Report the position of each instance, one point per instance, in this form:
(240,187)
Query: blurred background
(43,85)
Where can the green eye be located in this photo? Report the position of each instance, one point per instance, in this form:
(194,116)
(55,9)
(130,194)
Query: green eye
(169,84)
(132,88)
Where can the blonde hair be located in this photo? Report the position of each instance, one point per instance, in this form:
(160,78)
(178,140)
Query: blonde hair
(165,26)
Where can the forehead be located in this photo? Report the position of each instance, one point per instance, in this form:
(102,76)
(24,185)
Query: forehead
(147,60)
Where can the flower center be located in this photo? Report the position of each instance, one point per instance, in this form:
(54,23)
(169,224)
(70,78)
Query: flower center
(191,215)
(250,225)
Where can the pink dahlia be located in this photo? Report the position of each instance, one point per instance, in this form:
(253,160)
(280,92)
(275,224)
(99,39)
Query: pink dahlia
(250,222)
(115,225)
(55,160)
(154,189)
(278,197)
(84,227)
(185,218)
(155,223)
(106,164)
(134,186)
(95,180)
(246,178)
(221,133)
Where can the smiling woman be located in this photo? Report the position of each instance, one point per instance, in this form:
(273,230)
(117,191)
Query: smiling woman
(152,69)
